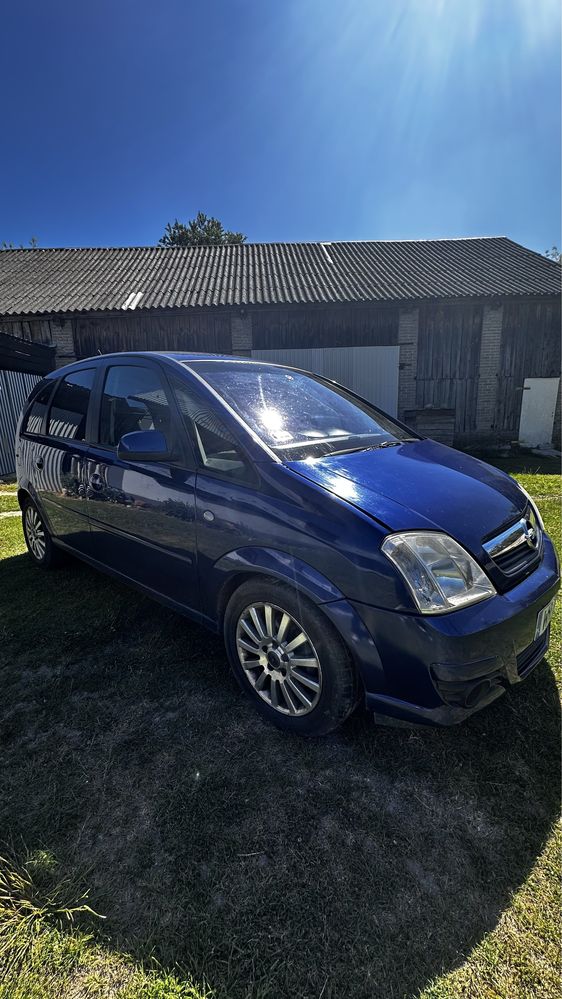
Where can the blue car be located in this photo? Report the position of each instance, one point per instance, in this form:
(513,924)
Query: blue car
(344,559)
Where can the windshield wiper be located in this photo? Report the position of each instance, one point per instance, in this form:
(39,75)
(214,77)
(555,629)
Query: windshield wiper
(372,447)
(405,440)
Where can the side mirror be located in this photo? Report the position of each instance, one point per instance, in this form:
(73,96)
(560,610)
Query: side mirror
(143,445)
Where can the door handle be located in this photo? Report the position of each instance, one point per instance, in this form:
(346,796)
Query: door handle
(96,481)
(39,462)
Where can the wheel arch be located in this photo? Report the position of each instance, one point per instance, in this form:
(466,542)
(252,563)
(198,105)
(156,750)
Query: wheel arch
(23,495)
(233,583)
(274,566)
(244,563)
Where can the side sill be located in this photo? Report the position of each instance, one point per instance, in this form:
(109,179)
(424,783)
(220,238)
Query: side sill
(182,609)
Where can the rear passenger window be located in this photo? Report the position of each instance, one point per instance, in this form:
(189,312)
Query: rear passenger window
(133,399)
(69,407)
(36,414)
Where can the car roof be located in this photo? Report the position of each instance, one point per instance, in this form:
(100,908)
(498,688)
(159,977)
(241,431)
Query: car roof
(169,355)
(180,355)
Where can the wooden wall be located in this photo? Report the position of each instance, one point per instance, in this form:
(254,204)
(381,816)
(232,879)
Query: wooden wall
(160,331)
(449,360)
(318,327)
(448,346)
(36,330)
(530,348)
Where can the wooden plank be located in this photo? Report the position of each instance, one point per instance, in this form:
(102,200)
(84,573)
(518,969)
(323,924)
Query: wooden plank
(275,329)
(448,359)
(530,348)
(154,332)
(439,424)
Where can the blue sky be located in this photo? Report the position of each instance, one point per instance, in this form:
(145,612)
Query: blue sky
(286,119)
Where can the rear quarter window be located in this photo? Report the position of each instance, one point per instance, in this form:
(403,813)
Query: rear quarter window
(69,408)
(33,421)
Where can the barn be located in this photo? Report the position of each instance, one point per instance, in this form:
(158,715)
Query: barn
(458,337)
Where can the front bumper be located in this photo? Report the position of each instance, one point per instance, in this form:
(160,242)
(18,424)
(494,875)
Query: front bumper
(439,670)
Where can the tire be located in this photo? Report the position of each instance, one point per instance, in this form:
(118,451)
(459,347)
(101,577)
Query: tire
(37,538)
(298,648)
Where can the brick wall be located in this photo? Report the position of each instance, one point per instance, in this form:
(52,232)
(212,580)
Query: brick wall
(490,354)
(62,336)
(241,332)
(408,341)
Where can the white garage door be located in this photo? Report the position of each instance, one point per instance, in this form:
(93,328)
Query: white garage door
(372,372)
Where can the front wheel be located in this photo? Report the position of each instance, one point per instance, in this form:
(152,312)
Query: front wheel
(289,658)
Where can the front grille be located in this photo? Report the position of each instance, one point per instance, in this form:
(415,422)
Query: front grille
(517,550)
(533,654)
(518,560)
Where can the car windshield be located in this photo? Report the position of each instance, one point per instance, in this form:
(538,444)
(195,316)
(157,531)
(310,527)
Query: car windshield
(299,415)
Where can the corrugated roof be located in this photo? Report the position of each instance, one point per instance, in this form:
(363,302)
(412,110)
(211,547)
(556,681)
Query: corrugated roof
(38,281)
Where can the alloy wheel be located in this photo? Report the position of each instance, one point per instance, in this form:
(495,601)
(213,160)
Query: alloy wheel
(35,533)
(278,659)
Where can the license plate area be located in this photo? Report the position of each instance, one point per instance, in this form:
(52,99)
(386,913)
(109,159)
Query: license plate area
(544,617)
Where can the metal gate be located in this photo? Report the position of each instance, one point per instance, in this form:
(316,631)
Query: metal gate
(372,372)
(15,387)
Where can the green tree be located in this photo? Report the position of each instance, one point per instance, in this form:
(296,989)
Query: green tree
(200,231)
(12,246)
(554,254)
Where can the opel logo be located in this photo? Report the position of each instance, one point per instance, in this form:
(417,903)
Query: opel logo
(530,534)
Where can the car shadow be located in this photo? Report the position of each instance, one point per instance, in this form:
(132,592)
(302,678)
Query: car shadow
(363,864)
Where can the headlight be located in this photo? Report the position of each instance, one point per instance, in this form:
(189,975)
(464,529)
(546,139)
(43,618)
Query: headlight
(440,574)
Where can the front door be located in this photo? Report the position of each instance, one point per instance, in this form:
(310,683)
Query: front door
(142,514)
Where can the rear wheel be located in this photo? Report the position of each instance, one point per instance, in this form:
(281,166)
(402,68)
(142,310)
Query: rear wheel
(289,658)
(37,537)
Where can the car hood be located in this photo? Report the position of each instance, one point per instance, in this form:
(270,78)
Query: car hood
(422,485)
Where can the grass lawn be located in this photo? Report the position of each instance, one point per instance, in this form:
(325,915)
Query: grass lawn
(227,857)
(8,502)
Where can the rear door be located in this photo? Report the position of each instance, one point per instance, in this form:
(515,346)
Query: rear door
(55,456)
(142,514)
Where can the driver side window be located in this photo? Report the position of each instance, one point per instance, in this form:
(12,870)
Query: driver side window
(133,399)
(215,445)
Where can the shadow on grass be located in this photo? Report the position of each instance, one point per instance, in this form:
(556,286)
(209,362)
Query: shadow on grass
(526,463)
(361,865)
